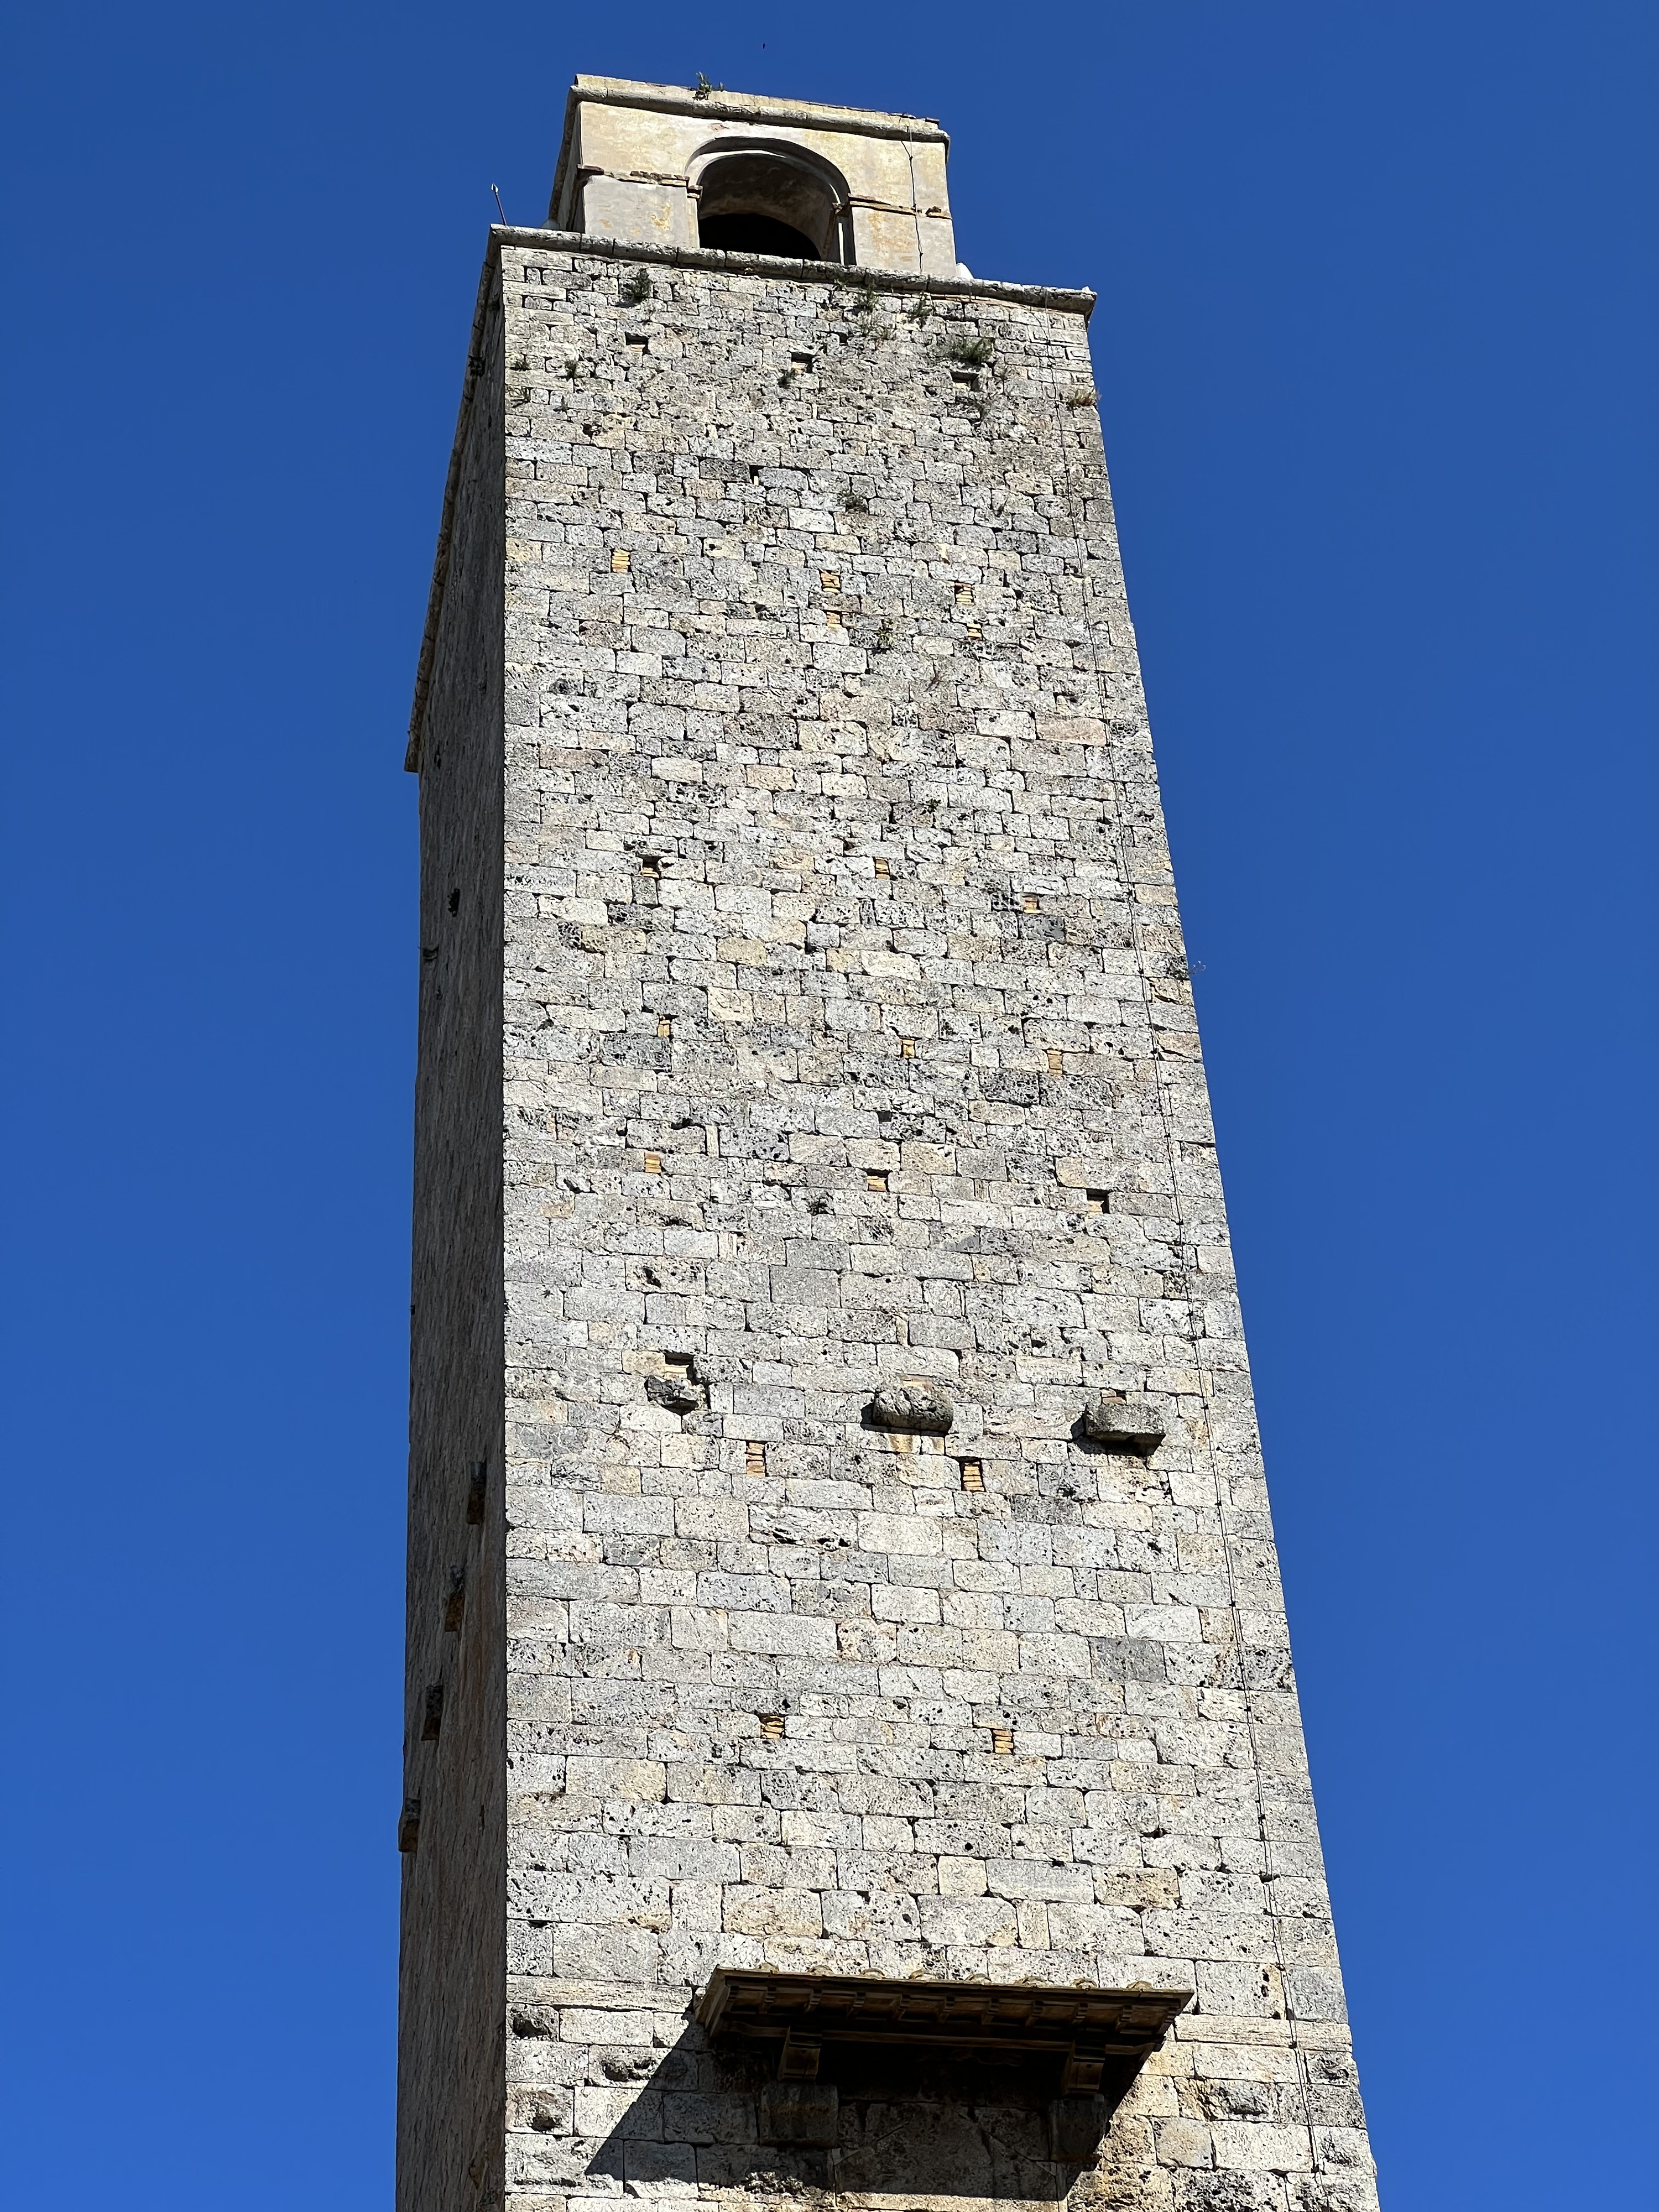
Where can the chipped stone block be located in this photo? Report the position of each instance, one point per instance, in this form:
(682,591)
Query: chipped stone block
(1076,2125)
(923,1408)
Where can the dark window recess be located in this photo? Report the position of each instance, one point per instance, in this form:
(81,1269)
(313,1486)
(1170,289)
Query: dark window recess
(409,1824)
(477,1485)
(776,202)
(432,1719)
(455,1601)
(756,233)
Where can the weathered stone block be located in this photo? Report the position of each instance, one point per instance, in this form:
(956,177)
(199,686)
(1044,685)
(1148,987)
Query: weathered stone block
(1076,2125)
(804,2113)
(1122,1424)
(922,1407)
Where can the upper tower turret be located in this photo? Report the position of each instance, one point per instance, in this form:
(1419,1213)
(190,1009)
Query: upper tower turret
(669,165)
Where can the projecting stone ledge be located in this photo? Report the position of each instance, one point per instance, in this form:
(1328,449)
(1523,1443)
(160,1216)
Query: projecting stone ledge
(1096,2033)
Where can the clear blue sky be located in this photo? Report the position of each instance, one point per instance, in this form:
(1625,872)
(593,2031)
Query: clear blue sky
(1377,351)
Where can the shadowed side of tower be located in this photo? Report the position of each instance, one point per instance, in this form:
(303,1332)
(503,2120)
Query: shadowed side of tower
(852,1747)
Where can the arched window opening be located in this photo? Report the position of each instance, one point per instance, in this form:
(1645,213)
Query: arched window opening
(767,204)
(755,233)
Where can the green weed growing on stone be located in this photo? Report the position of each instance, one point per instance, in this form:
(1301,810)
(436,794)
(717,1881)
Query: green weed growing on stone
(637,290)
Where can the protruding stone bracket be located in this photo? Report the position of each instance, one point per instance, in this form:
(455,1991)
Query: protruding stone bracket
(1084,2062)
(917,1406)
(799,2059)
(1123,1424)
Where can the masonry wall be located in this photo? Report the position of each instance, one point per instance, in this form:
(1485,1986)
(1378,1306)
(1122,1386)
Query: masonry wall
(848,1038)
(451,1996)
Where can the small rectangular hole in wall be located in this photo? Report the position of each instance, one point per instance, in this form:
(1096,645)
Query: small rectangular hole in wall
(771,1728)
(409,1824)
(432,1718)
(830,579)
(651,865)
(973,1475)
(1029,902)
(964,595)
(803,361)
(1099,1201)
(1054,1060)
(477,1483)
(653,1163)
(875,1178)
(882,867)
(455,1601)
(638,342)
(832,618)
(619,561)
(755,1460)
(964,380)
(974,630)
(907,1047)
(664,1027)
(1002,1742)
(677,1362)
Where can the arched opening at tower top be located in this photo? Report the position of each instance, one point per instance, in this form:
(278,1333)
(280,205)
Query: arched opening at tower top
(756,203)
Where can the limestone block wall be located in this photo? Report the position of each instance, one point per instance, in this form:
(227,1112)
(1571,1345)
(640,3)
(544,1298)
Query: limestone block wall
(847,1039)
(452,1995)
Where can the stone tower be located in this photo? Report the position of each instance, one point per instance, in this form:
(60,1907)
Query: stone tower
(852,1750)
